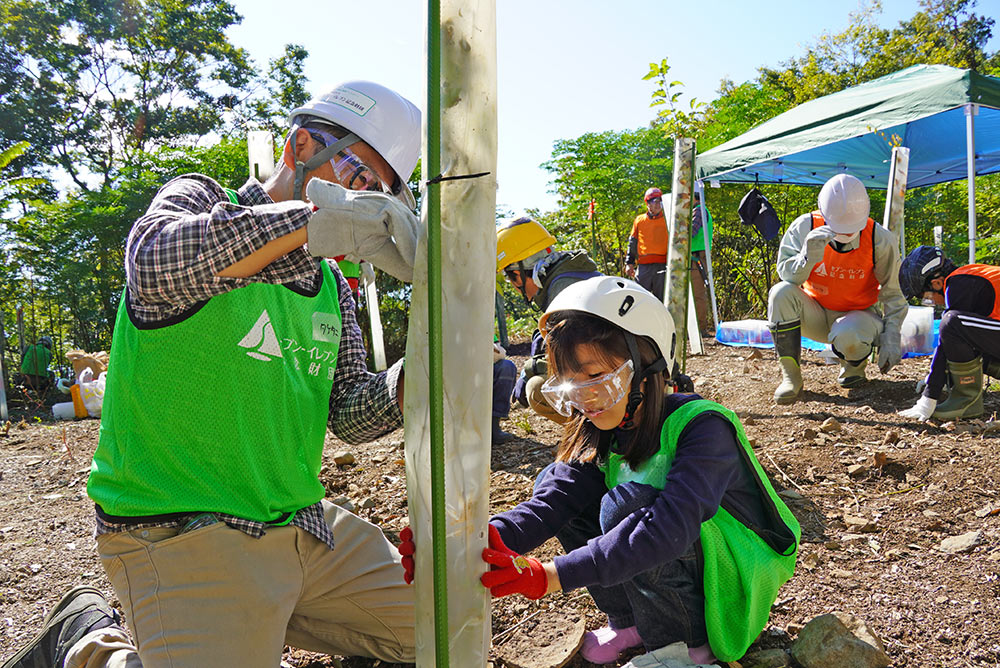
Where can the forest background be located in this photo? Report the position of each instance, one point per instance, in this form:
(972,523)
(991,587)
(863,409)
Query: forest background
(114,95)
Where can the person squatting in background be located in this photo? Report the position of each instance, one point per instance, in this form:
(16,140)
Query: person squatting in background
(839,285)
(969,344)
(526,258)
(663,510)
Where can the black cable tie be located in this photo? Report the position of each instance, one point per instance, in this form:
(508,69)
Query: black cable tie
(440,177)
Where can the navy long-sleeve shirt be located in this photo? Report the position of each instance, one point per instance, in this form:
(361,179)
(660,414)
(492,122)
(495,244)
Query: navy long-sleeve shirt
(708,467)
(967,293)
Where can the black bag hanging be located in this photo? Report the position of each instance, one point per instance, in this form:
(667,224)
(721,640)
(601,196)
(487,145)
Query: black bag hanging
(757,211)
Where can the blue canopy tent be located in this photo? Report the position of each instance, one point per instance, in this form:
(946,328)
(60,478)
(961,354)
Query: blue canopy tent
(948,118)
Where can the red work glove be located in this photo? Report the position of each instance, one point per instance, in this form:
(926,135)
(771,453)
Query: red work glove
(407,549)
(510,572)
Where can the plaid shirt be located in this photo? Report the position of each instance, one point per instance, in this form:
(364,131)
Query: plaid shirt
(173,255)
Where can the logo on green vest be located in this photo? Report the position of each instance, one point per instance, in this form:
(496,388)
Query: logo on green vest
(261,340)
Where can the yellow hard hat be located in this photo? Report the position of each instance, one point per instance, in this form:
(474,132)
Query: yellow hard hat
(519,240)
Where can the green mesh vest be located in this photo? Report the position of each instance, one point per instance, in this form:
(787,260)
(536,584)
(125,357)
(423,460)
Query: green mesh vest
(743,568)
(224,410)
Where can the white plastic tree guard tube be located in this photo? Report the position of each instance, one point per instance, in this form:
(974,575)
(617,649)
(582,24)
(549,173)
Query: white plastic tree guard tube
(378,337)
(895,195)
(467,132)
(260,150)
(675,294)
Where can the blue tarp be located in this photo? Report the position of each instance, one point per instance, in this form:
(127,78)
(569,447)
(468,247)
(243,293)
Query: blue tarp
(754,333)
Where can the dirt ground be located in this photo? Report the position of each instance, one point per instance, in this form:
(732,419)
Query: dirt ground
(875,498)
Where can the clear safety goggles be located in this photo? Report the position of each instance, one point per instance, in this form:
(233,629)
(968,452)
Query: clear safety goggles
(351,171)
(592,396)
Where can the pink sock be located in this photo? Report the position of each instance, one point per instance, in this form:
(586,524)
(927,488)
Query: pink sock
(701,654)
(605,644)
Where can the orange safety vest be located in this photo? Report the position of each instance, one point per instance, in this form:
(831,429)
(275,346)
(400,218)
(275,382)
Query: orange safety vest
(845,281)
(987,271)
(652,236)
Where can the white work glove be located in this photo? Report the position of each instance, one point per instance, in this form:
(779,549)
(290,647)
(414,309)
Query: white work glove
(816,242)
(362,224)
(367,273)
(921,410)
(498,352)
(889,350)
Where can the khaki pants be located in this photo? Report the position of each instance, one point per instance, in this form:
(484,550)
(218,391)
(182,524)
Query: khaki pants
(537,402)
(218,597)
(851,333)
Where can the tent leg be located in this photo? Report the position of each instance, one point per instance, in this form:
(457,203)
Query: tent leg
(700,186)
(971,110)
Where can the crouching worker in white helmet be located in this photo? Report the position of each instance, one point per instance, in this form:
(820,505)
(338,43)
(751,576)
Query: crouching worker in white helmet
(839,285)
(663,510)
(211,519)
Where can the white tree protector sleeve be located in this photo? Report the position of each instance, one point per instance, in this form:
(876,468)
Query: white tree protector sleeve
(468,257)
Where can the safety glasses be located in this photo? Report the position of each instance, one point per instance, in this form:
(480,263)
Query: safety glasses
(592,396)
(350,170)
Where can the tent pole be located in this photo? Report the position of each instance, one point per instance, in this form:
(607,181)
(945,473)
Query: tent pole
(700,187)
(971,110)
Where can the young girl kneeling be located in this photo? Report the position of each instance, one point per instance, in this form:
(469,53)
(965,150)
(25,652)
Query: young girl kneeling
(664,512)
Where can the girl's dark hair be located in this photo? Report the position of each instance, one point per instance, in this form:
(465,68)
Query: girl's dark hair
(581,440)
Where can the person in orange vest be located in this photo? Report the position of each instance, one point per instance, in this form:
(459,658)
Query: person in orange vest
(647,245)
(969,343)
(839,285)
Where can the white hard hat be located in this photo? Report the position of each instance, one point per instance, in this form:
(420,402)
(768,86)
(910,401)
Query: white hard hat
(843,201)
(383,118)
(624,303)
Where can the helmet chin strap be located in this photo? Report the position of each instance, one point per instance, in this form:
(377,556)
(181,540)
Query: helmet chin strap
(635,395)
(524,284)
(327,154)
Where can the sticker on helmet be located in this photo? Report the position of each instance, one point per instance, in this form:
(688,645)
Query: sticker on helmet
(348,98)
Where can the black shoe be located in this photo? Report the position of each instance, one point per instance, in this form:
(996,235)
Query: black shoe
(81,611)
(498,435)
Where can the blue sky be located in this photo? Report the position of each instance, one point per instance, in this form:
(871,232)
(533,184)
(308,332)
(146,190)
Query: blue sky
(563,68)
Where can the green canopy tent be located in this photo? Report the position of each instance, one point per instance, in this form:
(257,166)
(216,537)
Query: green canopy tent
(948,118)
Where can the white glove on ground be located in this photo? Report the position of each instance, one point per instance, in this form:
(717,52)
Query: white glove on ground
(889,351)
(921,410)
(816,242)
(362,225)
